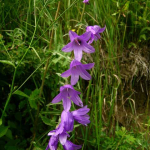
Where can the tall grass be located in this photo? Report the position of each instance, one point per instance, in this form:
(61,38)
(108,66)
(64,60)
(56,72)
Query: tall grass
(44,35)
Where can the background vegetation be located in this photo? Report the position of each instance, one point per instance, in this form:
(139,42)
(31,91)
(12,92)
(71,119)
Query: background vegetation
(32,34)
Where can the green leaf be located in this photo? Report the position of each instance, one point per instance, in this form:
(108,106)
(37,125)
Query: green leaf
(7,62)
(9,134)
(146,28)
(18,92)
(3,130)
(34,98)
(36,53)
(22,104)
(47,121)
(1,121)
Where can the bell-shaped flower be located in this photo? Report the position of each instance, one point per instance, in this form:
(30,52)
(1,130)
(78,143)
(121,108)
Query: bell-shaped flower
(79,43)
(70,146)
(81,116)
(67,121)
(78,69)
(67,93)
(86,1)
(57,135)
(95,32)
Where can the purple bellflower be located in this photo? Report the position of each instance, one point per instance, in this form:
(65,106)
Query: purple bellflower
(95,32)
(79,43)
(66,125)
(70,146)
(86,1)
(78,69)
(60,134)
(55,138)
(67,93)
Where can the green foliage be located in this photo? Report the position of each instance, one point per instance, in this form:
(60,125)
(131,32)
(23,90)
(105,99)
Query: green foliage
(123,140)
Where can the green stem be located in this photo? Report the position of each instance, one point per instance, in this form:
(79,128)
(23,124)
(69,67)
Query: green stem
(11,90)
(81,18)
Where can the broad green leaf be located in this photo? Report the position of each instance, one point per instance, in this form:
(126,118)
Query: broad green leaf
(18,92)
(7,62)
(3,130)
(47,121)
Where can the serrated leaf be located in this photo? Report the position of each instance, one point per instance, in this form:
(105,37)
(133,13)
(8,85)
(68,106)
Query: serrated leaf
(3,130)
(7,62)
(18,92)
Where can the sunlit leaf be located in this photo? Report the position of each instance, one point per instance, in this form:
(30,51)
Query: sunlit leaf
(7,62)
(3,130)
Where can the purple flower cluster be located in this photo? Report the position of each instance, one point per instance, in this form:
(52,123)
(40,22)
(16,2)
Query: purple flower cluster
(68,93)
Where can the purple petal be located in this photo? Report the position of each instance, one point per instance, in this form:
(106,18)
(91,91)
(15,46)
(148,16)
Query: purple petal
(51,132)
(101,30)
(88,48)
(84,74)
(86,36)
(74,63)
(72,35)
(57,98)
(63,138)
(83,119)
(53,143)
(81,111)
(66,103)
(65,87)
(78,54)
(97,36)
(91,39)
(66,73)
(68,47)
(70,146)
(74,76)
(67,120)
(76,99)
(88,66)
(47,148)
(60,129)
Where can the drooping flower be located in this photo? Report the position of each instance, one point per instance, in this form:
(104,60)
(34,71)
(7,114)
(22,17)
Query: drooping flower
(67,121)
(86,1)
(78,69)
(81,116)
(67,93)
(79,43)
(95,32)
(70,146)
